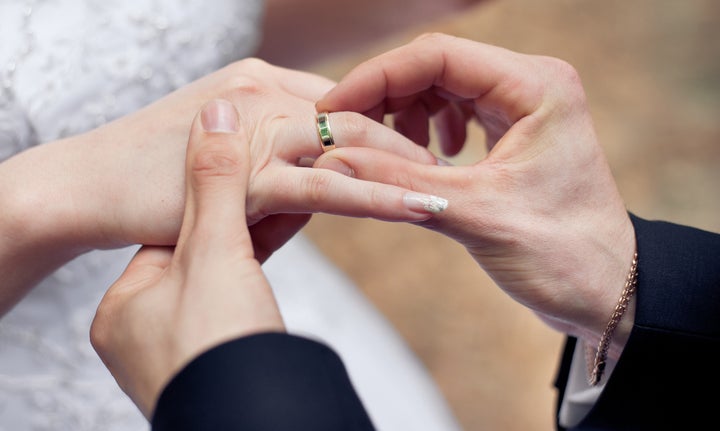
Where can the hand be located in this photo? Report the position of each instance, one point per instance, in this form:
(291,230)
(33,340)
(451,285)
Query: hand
(122,183)
(276,108)
(541,212)
(170,305)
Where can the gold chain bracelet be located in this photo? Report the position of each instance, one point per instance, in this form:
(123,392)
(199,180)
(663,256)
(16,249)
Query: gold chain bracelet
(600,355)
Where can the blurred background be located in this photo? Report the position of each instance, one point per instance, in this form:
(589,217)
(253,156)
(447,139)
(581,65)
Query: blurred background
(651,69)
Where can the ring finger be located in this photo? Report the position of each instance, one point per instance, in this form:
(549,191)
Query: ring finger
(347,129)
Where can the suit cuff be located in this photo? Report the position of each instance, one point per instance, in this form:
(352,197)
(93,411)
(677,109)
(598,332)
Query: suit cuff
(271,381)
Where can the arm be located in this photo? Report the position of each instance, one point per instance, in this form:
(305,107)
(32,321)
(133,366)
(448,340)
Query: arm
(666,369)
(200,296)
(242,384)
(43,223)
(122,183)
(542,215)
(541,212)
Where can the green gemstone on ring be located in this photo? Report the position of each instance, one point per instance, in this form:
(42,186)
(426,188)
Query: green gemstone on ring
(324,131)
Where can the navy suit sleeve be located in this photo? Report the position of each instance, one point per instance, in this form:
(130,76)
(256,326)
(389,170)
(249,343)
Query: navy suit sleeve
(265,382)
(667,376)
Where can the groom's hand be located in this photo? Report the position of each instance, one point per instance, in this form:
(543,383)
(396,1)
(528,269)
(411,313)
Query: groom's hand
(541,212)
(171,304)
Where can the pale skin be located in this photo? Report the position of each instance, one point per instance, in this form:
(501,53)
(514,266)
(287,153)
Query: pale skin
(173,303)
(123,183)
(79,194)
(565,254)
(541,213)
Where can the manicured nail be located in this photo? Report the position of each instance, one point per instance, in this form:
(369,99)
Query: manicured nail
(337,166)
(424,203)
(220,116)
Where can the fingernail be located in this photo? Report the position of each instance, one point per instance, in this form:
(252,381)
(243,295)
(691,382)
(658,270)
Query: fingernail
(220,116)
(306,162)
(425,203)
(443,162)
(337,166)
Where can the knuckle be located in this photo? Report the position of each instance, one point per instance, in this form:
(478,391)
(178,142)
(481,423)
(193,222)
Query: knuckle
(216,162)
(566,78)
(245,78)
(259,200)
(316,188)
(432,37)
(99,330)
(376,198)
(567,74)
(249,65)
(407,180)
(562,68)
(352,128)
(243,86)
(254,63)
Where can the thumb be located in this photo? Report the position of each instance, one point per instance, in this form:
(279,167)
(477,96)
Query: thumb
(216,181)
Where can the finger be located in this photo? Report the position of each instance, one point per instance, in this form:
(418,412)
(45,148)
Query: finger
(379,167)
(377,113)
(467,69)
(217,170)
(349,129)
(144,269)
(412,122)
(146,266)
(272,232)
(451,125)
(304,190)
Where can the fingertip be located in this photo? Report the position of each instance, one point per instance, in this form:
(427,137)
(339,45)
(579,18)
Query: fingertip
(329,102)
(451,126)
(322,105)
(424,203)
(442,162)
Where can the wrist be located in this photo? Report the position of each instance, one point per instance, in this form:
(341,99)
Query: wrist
(48,199)
(600,355)
(35,234)
(621,276)
(597,280)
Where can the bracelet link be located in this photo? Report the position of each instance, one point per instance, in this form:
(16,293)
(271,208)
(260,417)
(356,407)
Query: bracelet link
(599,356)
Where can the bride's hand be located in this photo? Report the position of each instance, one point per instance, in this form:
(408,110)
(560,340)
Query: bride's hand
(123,183)
(276,106)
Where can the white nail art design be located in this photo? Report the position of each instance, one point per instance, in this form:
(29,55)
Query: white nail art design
(423,202)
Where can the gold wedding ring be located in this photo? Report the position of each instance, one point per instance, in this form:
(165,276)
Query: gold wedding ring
(326,137)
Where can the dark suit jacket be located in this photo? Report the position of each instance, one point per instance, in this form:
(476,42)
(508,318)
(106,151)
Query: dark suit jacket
(268,382)
(668,376)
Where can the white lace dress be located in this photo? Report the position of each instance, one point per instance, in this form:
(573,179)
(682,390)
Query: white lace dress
(67,66)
